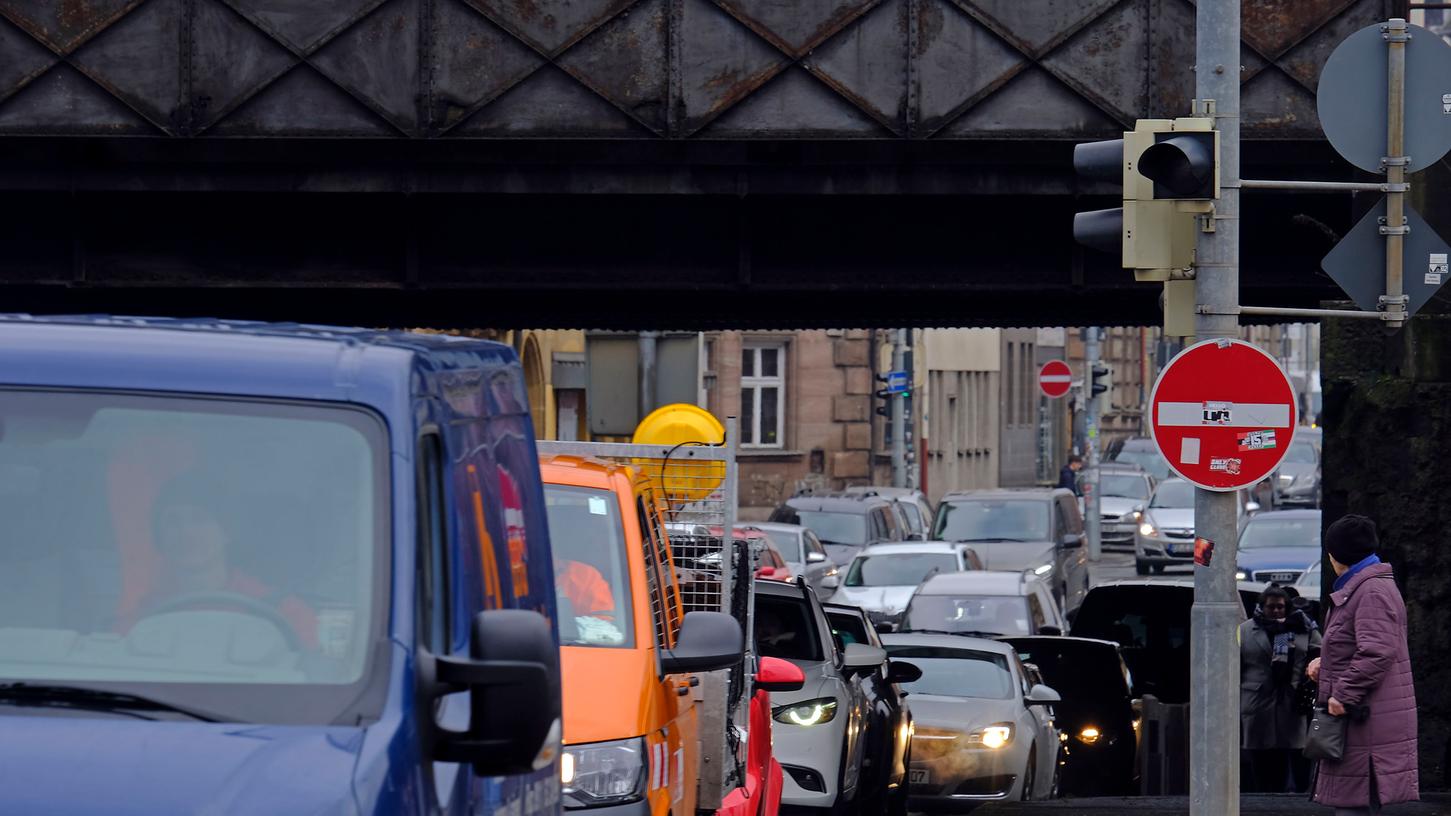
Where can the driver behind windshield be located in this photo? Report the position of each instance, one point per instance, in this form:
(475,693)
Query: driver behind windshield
(193,570)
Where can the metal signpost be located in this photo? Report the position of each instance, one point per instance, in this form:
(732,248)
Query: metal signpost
(1092,507)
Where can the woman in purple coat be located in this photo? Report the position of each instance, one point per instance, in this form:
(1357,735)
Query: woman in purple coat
(1364,671)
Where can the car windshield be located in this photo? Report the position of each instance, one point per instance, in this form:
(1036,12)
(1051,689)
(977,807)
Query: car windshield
(591,568)
(1123,485)
(788,543)
(957,672)
(222,554)
(1264,532)
(836,528)
(897,569)
(1148,460)
(1311,579)
(784,628)
(992,520)
(1301,453)
(1175,493)
(995,614)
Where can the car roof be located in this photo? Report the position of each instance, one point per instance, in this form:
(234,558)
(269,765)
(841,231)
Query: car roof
(905,547)
(891,493)
(781,589)
(1013,493)
(949,642)
(1172,583)
(978,582)
(775,525)
(1307,513)
(836,503)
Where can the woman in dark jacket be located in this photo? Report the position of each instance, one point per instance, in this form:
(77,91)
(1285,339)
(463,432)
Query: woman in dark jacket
(1365,670)
(1275,646)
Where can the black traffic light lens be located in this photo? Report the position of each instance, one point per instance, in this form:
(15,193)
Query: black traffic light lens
(1183,165)
(1100,229)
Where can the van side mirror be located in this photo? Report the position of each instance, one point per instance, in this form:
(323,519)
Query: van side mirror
(775,674)
(707,641)
(512,677)
(815,557)
(902,672)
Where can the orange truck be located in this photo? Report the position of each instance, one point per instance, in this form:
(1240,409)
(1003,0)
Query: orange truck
(631,729)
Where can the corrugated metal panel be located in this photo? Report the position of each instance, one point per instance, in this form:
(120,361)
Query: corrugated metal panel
(643,69)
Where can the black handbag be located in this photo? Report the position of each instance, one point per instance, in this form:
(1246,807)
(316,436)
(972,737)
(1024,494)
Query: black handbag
(1326,738)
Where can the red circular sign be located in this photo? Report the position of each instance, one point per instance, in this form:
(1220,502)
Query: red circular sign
(1055,378)
(1223,414)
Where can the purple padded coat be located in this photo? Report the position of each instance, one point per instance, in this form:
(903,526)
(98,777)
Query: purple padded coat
(1364,661)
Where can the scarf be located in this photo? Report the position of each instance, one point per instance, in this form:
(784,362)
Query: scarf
(1367,561)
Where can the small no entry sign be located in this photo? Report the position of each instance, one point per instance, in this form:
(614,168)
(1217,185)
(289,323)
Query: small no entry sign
(1055,378)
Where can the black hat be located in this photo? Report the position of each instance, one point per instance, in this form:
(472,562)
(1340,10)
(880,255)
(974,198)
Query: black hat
(1350,539)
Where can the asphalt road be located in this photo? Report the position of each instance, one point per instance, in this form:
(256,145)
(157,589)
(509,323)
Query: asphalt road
(1117,565)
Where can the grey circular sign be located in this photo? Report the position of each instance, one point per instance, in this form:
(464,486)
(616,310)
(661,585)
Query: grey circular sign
(1351,99)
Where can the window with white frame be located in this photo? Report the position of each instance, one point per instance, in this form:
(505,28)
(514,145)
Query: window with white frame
(763,396)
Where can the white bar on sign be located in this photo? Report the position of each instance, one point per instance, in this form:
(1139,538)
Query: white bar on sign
(1055,378)
(1189,450)
(1242,415)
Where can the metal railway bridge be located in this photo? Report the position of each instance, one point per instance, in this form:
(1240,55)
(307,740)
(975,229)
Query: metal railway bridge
(621,163)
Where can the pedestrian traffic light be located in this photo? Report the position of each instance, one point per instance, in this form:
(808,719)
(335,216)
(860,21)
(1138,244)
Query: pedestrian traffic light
(1099,379)
(1169,170)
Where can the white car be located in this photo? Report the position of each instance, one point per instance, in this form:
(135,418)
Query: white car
(989,603)
(1122,490)
(804,553)
(1166,530)
(881,578)
(818,733)
(982,730)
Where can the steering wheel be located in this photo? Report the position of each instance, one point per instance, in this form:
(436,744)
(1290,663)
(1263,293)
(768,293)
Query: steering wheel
(242,603)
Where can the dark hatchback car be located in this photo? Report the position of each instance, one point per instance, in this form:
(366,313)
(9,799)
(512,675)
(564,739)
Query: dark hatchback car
(889,732)
(845,523)
(1098,715)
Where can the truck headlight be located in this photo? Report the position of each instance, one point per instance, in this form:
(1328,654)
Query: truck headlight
(992,737)
(811,712)
(603,773)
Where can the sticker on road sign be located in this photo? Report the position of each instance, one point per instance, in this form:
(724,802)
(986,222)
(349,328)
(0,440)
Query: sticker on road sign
(1446,103)
(1189,450)
(1203,551)
(1256,440)
(1218,413)
(1436,268)
(1228,464)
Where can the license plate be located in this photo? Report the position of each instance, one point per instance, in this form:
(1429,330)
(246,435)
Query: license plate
(920,776)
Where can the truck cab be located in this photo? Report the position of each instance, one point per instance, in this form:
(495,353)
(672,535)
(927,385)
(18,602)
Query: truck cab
(631,725)
(253,568)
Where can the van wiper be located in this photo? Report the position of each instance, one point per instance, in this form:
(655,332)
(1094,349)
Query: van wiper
(977,633)
(993,538)
(89,698)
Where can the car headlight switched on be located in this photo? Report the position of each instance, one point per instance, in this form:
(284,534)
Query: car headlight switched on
(811,712)
(1043,570)
(1147,528)
(603,773)
(992,737)
(1240,575)
(1089,735)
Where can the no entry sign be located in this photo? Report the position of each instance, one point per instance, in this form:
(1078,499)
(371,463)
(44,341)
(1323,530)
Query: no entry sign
(1223,414)
(1055,378)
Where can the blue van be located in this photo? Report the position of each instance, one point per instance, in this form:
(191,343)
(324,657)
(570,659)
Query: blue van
(252,568)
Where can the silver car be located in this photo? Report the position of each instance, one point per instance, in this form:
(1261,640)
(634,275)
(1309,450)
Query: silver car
(1166,526)
(882,577)
(982,730)
(804,553)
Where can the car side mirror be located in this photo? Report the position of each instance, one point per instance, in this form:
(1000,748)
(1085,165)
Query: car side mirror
(859,656)
(1050,630)
(830,582)
(900,672)
(1139,508)
(1042,695)
(512,677)
(884,627)
(707,641)
(1252,507)
(815,557)
(775,674)
(766,572)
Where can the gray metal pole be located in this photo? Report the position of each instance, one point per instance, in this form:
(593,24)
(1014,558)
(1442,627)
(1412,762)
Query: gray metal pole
(647,372)
(1214,650)
(1092,518)
(1395,167)
(899,415)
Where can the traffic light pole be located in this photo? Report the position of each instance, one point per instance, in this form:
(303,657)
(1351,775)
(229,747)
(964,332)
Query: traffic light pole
(1093,519)
(899,415)
(1214,651)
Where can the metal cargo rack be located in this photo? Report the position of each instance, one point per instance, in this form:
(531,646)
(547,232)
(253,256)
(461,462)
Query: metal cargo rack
(696,484)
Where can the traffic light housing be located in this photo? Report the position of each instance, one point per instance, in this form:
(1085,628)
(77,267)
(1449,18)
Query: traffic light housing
(1169,171)
(1098,377)
(884,398)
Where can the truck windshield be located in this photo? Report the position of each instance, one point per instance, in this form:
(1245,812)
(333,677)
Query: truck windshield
(189,550)
(591,569)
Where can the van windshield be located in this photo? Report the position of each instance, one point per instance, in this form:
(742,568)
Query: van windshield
(835,528)
(591,568)
(192,550)
(992,520)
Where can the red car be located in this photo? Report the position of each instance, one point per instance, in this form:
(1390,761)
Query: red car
(761,793)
